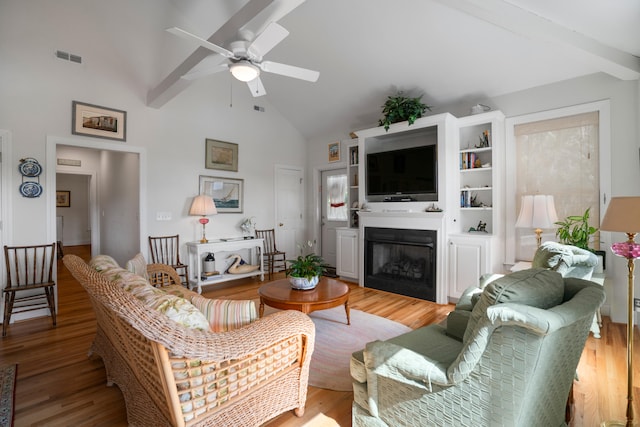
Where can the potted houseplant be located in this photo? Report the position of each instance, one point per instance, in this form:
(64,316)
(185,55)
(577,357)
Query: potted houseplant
(305,270)
(400,108)
(575,230)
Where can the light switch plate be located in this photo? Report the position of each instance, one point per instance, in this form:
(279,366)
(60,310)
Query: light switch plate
(163,216)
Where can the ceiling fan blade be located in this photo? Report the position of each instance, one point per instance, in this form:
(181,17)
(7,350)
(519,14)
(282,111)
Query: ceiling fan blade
(203,71)
(267,40)
(290,71)
(256,87)
(202,42)
(273,13)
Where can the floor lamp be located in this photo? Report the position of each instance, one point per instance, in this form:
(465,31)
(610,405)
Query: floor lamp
(623,215)
(537,211)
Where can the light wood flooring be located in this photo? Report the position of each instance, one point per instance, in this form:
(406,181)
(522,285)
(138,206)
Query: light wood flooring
(58,385)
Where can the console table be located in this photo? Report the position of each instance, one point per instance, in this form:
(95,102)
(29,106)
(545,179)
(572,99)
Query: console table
(222,249)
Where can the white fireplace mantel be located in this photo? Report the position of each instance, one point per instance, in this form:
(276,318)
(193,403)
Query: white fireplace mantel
(407,219)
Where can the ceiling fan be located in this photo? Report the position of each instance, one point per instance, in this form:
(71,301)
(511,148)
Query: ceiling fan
(244,58)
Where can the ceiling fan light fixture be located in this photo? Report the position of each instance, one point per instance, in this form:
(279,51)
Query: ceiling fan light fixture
(244,71)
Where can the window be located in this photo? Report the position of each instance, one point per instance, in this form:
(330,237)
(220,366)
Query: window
(557,153)
(337,198)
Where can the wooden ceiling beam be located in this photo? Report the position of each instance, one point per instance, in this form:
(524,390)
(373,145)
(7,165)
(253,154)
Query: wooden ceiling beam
(173,84)
(517,20)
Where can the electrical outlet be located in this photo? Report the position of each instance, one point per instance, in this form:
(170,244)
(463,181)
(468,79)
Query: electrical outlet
(163,216)
(636,304)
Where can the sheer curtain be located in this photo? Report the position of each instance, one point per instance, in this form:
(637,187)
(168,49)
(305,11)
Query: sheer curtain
(558,157)
(337,198)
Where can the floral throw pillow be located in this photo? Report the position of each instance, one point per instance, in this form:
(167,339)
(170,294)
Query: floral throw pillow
(177,309)
(138,265)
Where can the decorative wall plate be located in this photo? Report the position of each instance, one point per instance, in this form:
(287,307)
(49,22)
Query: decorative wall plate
(30,189)
(30,167)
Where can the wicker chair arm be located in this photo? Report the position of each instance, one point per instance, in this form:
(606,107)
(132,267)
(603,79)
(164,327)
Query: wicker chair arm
(162,275)
(244,342)
(219,346)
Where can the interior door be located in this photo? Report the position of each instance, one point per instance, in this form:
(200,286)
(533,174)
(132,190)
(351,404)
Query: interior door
(289,209)
(334,210)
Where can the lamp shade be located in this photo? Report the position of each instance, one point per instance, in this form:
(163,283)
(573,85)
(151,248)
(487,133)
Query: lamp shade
(623,214)
(203,205)
(244,71)
(537,211)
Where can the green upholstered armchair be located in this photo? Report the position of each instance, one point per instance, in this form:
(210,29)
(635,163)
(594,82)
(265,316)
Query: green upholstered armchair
(513,365)
(570,261)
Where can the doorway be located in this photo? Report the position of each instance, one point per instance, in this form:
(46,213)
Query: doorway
(117,208)
(289,209)
(74,210)
(334,210)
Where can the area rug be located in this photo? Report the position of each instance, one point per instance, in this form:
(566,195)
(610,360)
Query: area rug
(8,375)
(335,341)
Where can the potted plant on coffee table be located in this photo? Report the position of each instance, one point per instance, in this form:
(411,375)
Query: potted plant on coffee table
(305,271)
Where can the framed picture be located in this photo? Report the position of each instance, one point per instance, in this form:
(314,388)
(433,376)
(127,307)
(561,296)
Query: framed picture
(63,199)
(101,122)
(334,151)
(227,193)
(221,155)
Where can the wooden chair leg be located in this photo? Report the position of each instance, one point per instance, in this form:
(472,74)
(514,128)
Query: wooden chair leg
(270,262)
(8,307)
(568,414)
(51,301)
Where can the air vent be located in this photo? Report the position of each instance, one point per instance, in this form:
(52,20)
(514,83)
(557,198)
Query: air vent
(69,56)
(62,55)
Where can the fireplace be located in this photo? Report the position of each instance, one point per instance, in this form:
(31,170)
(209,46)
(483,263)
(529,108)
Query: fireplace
(402,261)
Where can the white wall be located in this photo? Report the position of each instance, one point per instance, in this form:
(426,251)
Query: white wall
(119,203)
(76,228)
(38,89)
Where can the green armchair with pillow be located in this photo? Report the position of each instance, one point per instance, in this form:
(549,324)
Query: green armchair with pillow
(512,364)
(569,261)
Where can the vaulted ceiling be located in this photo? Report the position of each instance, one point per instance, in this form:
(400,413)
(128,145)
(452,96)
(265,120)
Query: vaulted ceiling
(450,51)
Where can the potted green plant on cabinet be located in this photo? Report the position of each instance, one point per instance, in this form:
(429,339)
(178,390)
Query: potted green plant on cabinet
(400,108)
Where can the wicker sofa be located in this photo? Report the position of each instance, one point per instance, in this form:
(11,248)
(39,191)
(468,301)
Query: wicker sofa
(176,375)
(509,359)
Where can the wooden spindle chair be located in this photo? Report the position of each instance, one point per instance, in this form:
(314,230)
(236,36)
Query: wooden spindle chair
(272,256)
(166,250)
(29,269)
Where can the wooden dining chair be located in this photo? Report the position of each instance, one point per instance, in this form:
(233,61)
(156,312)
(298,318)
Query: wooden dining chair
(30,285)
(166,250)
(272,256)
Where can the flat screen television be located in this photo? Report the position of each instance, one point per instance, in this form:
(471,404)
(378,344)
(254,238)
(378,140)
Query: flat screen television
(409,174)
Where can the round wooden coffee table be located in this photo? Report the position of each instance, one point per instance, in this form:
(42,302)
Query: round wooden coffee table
(328,293)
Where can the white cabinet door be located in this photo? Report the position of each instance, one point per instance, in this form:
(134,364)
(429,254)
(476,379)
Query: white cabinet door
(347,252)
(468,260)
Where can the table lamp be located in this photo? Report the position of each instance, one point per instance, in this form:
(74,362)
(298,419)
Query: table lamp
(537,211)
(623,215)
(203,206)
